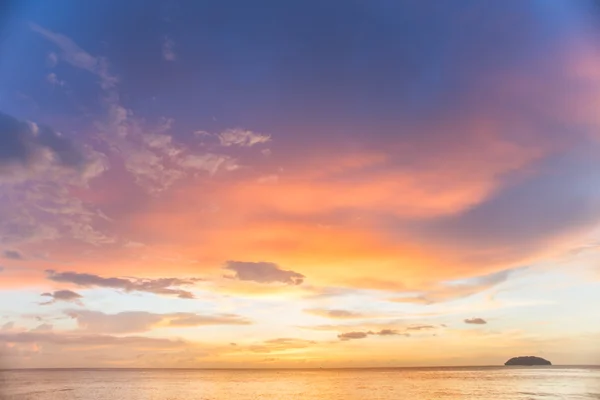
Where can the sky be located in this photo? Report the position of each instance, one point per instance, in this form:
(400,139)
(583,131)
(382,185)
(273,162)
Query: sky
(269,184)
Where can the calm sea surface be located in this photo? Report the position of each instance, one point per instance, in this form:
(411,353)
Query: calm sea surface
(386,384)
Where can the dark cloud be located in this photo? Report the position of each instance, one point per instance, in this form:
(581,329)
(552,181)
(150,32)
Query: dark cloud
(13,255)
(25,144)
(476,321)
(353,335)
(263,272)
(335,314)
(161,286)
(62,295)
(142,321)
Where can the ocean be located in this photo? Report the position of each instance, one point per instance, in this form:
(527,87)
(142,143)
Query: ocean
(481,383)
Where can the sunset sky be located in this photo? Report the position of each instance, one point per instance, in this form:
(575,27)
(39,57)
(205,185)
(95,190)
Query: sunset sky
(304,183)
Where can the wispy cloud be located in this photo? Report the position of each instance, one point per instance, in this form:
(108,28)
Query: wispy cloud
(168,49)
(51,60)
(240,137)
(449,291)
(76,56)
(152,158)
(208,162)
(52,79)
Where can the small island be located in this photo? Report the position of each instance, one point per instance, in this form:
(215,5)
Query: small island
(527,361)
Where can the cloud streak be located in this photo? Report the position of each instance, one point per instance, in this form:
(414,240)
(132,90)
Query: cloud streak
(362,335)
(161,286)
(141,321)
(78,339)
(281,345)
(335,314)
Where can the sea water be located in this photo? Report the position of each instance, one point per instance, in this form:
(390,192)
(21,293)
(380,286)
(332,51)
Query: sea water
(487,383)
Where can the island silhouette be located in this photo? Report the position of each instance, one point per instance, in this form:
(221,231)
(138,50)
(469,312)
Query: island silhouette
(527,361)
